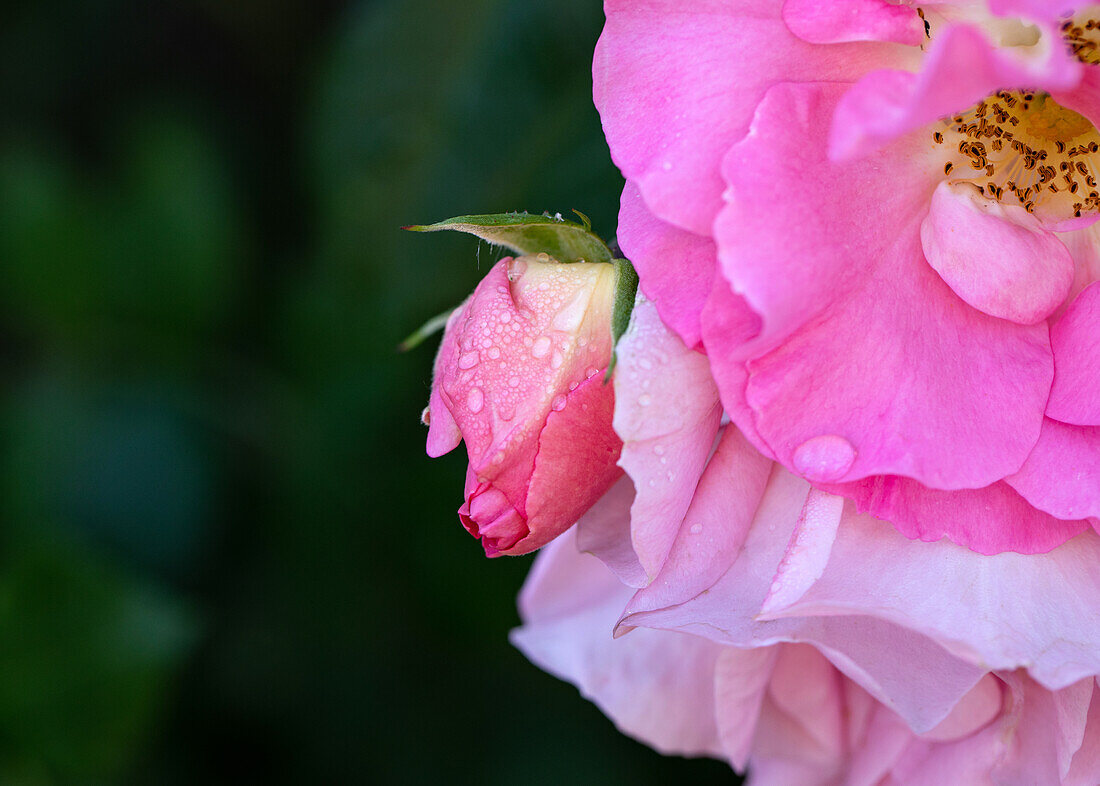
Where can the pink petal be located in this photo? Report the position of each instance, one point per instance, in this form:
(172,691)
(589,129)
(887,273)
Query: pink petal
(740,683)
(960,69)
(1062,474)
(443,432)
(575,443)
(667,415)
(1085,768)
(680,65)
(675,267)
(1075,339)
(853,20)
(1006,611)
(869,316)
(974,711)
(656,687)
(987,520)
(604,532)
(996,257)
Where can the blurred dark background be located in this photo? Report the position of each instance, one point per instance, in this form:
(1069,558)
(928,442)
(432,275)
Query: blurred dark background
(224,557)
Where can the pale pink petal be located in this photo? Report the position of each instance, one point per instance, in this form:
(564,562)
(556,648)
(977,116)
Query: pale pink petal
(1085,768)
(604,532)
(1062,474)
(667,415)
(680,64)
(876,751)
(974,711)
(1039,612)
(740,683)
(675,268)
(905,670)
(1046,729)
(808,550)
(804,687)
(656,687)
(1075,339)
(996,257)
(960,69)
(987,520)
(443,432)
(718,521)
(869,318)
(853,20)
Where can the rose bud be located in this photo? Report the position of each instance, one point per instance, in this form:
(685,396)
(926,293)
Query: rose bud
(520,377)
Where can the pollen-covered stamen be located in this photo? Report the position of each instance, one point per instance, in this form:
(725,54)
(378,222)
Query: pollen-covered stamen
(1023,148)
(1083,37)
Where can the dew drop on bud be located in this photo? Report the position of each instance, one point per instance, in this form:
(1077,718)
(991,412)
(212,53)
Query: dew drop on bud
(426,416)
(541,347)
(558,404)
(475,400)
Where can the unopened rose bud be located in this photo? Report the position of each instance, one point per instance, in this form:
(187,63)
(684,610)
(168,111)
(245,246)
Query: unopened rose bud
(520,377)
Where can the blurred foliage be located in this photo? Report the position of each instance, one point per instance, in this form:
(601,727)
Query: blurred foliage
(224,557)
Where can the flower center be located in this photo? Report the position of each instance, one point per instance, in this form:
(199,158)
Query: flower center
(1023,148)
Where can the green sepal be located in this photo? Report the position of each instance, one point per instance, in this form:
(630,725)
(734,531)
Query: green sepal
(527,234)
(425,331)
(626,290)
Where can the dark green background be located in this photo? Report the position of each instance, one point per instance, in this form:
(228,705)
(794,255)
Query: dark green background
(224,557)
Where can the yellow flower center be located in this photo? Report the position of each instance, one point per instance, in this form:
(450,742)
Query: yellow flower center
(1024,148)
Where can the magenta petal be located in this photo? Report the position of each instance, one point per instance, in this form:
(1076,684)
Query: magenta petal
(1075,339)
(1005,611)
(988,520)
(961,68)
(675,267)
(838,21)
(667,415)
(680,65)
(996,257)
(1062,474)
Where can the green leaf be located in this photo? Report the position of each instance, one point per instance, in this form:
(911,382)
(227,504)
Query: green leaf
(626,289)
(524,233)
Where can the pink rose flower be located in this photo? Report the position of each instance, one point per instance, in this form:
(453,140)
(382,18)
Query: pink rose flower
(520,378)
(743,614)
(879,224)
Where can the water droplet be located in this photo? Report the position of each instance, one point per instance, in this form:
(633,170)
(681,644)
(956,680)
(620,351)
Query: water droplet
(475,400)
(493,353)
(659,450)
(541,347)
(505,317)
(645,363)
(582,341)
(574,385)
(543,257)
(499,457)
(544,286)
(486,343)
(556,360)
(591,372)
(513,382)
(426,416)
(469,360)
(645,400)
(696,529)
(824,459)
(558,404)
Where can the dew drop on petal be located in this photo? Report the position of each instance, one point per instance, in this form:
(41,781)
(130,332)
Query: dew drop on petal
(541,347)
(824,459)
(696,529)
(558,404)
(475,400)
(645,400)
(556,360)
(426,416)
(493,353)
(505,317)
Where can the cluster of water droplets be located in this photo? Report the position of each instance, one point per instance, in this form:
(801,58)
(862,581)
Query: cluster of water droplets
(524,344)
